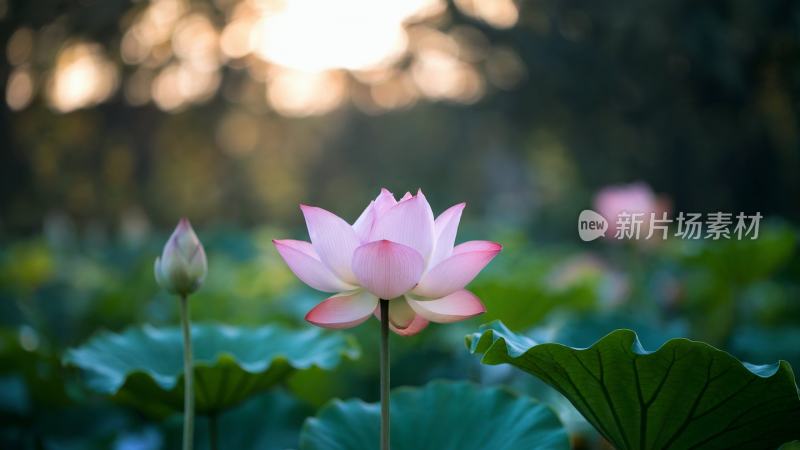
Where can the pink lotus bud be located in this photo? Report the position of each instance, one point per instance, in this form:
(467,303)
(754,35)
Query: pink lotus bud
(182,266)
(395,251)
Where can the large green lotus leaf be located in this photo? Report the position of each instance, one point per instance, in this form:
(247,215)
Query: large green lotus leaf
(685,395)
(581,330)
(439,416)
(143,366)
(268,421)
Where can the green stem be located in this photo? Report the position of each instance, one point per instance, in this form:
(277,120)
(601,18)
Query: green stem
(188,377)
(384,374)
(213,432)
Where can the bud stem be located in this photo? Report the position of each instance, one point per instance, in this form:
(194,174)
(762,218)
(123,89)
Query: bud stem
(213,431)
(188,376)
(384,362)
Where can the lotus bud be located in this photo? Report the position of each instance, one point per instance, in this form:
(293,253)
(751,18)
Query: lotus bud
(182,266)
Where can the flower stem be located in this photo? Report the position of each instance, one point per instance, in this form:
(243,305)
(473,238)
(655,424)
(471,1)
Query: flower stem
(384,374)
(213,432)
(188,377)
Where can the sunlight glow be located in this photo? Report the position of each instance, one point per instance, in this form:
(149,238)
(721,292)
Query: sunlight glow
(498,13)
(317,35)
(195,41)
(19,89)
(440,75)
(311,56)
(181,84)
(294,93)
(83,76)
(394,93)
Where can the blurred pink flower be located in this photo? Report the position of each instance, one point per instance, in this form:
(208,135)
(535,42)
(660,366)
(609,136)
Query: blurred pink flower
(630,198)
(394,251)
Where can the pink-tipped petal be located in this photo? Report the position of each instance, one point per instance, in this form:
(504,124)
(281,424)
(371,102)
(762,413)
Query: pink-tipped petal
(333,239)
(410,223)
(418,324)
(384,202)
(343,310)
(445,228)
(387,269)
(304,262)
(476,246)
(458,270)
(402,319)
(457,306)
(400,314)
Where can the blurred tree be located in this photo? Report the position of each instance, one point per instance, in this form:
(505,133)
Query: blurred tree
(543,103)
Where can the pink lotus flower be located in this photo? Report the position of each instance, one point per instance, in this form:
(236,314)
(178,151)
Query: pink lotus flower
(633,198)
(394,251)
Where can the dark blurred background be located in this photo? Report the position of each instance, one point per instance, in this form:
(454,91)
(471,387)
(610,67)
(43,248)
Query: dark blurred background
(118,111)
(119,117)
